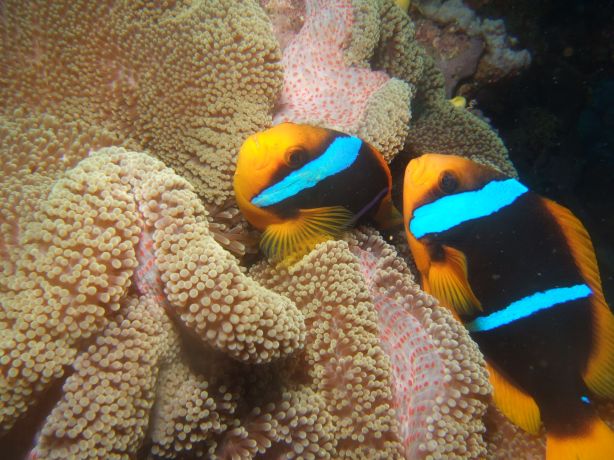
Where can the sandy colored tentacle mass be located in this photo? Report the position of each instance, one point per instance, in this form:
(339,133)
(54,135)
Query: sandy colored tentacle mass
(65,311)
(344,361)
(186,82)
(440,384)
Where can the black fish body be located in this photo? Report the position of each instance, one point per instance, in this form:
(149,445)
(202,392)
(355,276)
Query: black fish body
(520,272)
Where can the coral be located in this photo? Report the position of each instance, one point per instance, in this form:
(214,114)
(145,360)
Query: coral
(457,55)
(357,296)
(69,286)
(444,128)
(500,60)
(441,127)
(35,150)
(328,82)
(436,125)
(190,411)
(440,384)
(344,361)
(106,401)
(397,52)
(457,21)
(76,257)
(297,424)
(287,17)
(185,82)
(125,328)
(505,440)
(202,282)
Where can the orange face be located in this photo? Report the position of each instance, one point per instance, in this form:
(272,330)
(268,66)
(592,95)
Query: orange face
(262,155)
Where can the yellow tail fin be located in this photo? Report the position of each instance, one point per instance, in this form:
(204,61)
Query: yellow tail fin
(595,443)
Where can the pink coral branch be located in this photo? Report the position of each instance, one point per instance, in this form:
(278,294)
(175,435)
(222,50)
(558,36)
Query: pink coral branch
(418,371)
(439,383)
(319,85)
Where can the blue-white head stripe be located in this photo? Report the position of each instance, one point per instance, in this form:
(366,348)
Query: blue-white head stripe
(339,155)
(452,210)
(527,306)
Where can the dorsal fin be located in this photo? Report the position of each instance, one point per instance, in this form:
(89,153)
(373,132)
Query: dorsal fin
(447,281)
(599,372)
(515,404)
(580,244)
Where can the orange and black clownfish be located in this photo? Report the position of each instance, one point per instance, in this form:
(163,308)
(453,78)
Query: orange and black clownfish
(520,272)
(302,184)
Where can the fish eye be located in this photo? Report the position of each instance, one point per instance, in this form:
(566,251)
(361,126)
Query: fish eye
(296,157)
(448,183)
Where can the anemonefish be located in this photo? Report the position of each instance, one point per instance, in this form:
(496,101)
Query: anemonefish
(520,272)
(302,184)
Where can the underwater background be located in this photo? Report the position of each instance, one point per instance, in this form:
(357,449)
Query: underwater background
(138,318)
(556,117)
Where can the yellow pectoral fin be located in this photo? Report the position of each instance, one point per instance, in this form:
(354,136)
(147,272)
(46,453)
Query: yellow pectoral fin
(599,372)
(288,241)
(515,404)
(447,281)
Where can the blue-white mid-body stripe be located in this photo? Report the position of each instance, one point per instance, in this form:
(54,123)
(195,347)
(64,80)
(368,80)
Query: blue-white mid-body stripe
(452,210)
(529,305)
(339,155)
